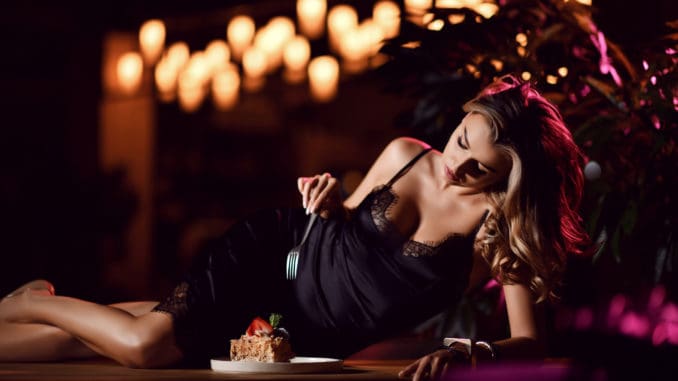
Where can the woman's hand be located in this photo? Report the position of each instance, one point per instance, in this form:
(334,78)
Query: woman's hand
(429,367)
(320,194)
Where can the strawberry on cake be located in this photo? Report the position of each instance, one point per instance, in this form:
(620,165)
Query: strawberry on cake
(263,341)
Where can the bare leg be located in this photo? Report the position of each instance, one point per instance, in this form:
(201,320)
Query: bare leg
(146,340)
(40,342)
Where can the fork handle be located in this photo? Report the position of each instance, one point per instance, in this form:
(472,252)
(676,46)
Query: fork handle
(308,228)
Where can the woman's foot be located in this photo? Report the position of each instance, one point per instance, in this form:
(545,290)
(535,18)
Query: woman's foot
(39,286)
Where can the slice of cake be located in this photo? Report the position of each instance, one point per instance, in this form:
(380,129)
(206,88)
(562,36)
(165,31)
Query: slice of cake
(263,341)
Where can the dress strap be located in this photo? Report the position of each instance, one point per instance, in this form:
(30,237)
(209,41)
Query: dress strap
(480,224)
(407,166)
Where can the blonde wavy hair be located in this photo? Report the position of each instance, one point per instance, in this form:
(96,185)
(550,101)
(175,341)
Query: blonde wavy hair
(535,222)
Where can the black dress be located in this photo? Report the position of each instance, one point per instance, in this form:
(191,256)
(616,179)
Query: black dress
(358,281)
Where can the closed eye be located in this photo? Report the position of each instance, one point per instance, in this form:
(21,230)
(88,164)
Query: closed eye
(460,143)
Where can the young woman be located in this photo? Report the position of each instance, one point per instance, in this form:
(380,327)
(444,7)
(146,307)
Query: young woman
(422,227)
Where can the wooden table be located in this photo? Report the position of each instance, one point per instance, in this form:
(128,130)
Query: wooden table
(97,370)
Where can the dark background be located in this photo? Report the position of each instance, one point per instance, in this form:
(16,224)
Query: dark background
(56,204)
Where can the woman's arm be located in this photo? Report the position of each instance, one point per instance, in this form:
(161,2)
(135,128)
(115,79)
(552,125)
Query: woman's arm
(526,341)
(396,154)
(320,193)
(525,323)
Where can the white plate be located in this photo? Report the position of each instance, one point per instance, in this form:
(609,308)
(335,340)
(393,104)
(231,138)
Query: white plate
(296,365)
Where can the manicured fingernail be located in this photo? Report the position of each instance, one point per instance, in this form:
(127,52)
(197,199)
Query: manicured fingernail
(307,212)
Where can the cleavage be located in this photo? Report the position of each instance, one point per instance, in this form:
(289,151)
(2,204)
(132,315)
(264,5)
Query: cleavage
(382,203)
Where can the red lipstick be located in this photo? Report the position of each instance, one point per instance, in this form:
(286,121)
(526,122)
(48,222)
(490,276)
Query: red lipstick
(451,175)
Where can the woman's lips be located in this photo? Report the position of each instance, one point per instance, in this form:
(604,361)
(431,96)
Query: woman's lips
(450,175)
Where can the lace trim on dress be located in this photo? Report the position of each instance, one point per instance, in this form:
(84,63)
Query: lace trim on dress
(414,248)
(175,304)
(382,204)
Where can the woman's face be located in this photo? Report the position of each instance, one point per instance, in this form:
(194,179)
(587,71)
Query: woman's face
(470,157)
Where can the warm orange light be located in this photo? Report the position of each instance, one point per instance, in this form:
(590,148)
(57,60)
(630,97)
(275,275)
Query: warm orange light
(240,32)
(254,65)
(296,55)
(562,71)
(273,38)
(311,17)
(178,54)
(486,10)
(526,75)
(323,76)
(166,79)
(129,71)
(217,55)
(254,62)
(226,87)
(456,19)
(418,6)
(387,15)
(521,39)
(340,20)
(551,79)
(498,65)
(152,40)
(355,51)
(436,25)
(450,4)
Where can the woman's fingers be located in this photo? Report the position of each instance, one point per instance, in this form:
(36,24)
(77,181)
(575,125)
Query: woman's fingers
(409,370)
(315,190)
(429,367)
(436,368)
(324,192)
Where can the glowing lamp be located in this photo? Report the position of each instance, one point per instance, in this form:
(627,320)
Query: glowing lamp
(450,4)
(191,91)
(275,36)
(129,71)
(323,78)
(486,10)
(152,40)
(240,32)
(296,56)
(456,19)
(436,25)
(217,55)
(166,80)
(418,6)
(340,20)
(254,67)
(226,87)
(178,54)
(387,15)
(311,17)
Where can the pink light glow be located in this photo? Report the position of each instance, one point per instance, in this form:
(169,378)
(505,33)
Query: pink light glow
(653,79)
(585,90)
(584,318)
(645,65)
(657,297)
(605,64)
(670,313)
(656,122)
(635,325)
(670,51)
(617,306)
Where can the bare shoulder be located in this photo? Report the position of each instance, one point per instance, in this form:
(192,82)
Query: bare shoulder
(405,148)
(395,155)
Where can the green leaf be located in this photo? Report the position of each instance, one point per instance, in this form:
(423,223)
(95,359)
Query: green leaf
(274,320)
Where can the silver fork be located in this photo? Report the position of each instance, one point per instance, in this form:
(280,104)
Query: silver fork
(293,256)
